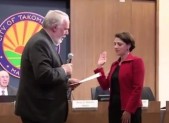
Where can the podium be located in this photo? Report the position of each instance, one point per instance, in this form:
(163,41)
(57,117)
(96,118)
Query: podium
(166,113)
(99,115)
(7,113)
(151,114)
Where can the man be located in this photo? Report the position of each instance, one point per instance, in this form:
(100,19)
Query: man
(42,93)
(5,88)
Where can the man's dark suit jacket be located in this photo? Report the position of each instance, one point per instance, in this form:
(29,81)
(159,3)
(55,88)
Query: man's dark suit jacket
(11,90)
(42,92)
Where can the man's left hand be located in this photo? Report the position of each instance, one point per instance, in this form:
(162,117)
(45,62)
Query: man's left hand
(73,83)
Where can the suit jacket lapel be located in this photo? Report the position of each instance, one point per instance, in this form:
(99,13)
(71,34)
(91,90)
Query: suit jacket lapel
(59,60)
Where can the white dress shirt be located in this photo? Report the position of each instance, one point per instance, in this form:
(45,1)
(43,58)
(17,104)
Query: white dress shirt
(5,91)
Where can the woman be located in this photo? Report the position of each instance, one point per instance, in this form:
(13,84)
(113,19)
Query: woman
(125,80)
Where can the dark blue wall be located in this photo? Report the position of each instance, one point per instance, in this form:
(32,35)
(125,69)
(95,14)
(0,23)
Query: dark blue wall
(10,7)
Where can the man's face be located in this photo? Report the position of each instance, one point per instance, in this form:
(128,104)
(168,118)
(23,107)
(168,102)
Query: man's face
(4,79)
(61,32)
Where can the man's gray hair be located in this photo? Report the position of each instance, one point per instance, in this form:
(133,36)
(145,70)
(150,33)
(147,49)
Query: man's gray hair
(53,18)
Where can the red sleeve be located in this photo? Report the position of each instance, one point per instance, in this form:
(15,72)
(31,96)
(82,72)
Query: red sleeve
(104,83)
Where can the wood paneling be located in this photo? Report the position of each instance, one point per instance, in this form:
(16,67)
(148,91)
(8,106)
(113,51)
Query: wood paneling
(93,25)
(144,31)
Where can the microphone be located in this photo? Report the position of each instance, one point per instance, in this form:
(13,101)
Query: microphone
(69,91)
(69,60)
(70,56)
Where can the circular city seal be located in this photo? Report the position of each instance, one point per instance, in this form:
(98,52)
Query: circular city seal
(15,31)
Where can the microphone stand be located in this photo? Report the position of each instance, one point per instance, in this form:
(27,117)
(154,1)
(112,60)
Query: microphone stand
(69,90)
(69,93)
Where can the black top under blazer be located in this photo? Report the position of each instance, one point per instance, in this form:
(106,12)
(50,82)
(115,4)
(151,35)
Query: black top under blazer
(42,92)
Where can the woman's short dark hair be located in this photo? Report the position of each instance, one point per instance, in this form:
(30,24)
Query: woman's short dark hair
(127,38)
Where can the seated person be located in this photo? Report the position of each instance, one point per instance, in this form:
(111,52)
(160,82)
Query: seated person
(5,88)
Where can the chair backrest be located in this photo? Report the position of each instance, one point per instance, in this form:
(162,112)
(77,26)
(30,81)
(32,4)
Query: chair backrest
(96,91)
(148,94)
(93,93)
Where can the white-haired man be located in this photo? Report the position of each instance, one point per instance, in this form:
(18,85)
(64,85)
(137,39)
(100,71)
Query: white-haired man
(5,88)
(42,92)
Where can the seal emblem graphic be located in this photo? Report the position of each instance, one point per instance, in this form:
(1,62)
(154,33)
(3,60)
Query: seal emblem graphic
(15,31)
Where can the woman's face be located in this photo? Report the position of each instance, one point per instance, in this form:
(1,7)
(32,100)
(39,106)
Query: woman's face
(121,48)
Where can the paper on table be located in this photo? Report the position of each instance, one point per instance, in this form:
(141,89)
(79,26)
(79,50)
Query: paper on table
(89,78)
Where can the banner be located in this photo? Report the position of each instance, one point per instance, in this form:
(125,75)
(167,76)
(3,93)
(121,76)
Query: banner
(19,21)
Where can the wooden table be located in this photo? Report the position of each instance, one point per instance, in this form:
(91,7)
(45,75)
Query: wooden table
(149,115)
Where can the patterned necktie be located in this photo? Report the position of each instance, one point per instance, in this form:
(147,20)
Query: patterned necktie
(57,49)
(3,92)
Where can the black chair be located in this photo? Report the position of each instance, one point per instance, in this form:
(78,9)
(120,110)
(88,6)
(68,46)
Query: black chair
(98,91)
(147,94)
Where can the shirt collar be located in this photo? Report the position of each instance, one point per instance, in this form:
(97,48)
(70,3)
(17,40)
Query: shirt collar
(130,57)
(3,89)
